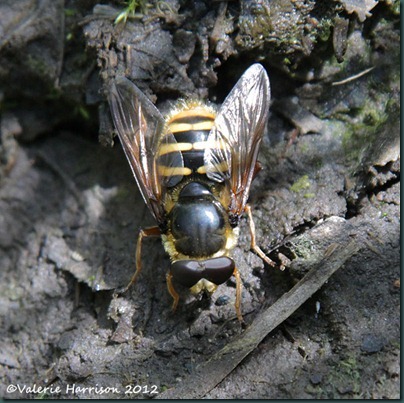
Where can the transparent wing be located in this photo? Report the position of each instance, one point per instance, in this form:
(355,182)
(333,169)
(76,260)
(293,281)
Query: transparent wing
(140,126)
(237,135)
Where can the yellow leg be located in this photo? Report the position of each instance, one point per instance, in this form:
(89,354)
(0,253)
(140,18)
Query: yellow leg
(144,233)
(172,291)
(237,304)
(254,246)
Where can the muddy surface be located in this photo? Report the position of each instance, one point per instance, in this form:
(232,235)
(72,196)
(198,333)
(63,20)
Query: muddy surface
(70,211)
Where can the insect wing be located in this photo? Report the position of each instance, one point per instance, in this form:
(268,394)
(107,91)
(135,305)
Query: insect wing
(139,125)
(237,134)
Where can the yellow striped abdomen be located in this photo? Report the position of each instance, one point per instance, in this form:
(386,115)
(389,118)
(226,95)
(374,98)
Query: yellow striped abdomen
(190,128)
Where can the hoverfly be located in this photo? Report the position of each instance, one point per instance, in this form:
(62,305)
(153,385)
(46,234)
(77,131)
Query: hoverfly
(194,169)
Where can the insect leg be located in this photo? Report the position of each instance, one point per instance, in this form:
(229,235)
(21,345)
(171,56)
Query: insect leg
(254,246)
(237,304)
(144,233)
(172,291)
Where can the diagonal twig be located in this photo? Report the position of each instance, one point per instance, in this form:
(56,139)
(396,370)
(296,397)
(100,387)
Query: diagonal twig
(212,372)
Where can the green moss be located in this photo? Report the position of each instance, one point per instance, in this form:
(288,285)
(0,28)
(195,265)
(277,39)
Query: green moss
(304,147)
(344,378)
(70,12)
(287,29)
(38,66)
(269,24)
(395,6)
(346,375)
(304,249)
(361,131)
(91,280)
(325,29)
(301,184)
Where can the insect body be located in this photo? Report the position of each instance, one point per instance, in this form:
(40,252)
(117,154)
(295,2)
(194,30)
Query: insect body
(194,169)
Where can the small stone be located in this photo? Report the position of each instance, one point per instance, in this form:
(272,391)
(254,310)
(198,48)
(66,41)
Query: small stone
(316,378)
(372,344)
(222,300)
(343,390)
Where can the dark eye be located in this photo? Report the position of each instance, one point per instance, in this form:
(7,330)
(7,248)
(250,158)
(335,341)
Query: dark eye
(189,272)
(219,270)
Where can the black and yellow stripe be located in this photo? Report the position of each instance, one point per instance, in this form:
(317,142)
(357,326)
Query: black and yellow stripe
(190,129)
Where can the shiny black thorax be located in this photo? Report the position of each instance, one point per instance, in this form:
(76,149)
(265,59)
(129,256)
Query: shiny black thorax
(197,221)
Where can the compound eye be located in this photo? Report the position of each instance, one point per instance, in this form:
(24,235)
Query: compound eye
(189,272)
